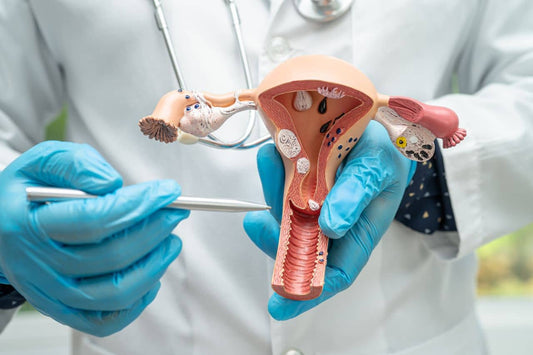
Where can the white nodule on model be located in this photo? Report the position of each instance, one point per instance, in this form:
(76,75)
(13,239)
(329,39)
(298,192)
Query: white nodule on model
(186,138)
(334,93)
(303,165)
(313,205)
(201,119)
(288,143)
(302,101)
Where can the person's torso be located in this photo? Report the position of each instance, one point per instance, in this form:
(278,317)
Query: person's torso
(214,297)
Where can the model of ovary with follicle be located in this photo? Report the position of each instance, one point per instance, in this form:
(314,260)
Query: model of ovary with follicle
(316,108)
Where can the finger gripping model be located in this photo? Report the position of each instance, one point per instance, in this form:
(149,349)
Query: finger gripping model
(316,108)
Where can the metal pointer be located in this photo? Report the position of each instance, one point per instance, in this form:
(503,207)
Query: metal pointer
(53,194)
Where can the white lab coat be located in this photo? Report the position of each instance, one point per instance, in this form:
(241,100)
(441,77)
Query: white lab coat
(417,293)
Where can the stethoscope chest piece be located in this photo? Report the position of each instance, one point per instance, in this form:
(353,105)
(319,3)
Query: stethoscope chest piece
(322,10)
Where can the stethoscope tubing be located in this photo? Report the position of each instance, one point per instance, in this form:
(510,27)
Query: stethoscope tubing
(212,140)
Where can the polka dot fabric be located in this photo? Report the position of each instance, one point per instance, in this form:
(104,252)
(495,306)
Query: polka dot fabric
(9,297)
(426,205)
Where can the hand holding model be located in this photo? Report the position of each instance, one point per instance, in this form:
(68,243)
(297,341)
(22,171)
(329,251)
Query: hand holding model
(91,264)
(356,213)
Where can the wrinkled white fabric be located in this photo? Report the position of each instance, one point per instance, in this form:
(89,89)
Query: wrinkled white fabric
(5,317)
(107,60)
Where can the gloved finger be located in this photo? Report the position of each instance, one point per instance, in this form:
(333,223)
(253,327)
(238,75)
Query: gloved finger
(360,182)
(351,253)
(93,220)
(104,323)
(263,230)
(120,289)
(272,174)
(69,165)
(97,323)
(115,253)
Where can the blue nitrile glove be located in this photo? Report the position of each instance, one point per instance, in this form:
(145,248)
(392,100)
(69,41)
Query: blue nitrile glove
(91,264)
(356,213)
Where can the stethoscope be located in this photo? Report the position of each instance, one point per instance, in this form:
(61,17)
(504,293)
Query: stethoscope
(314,10)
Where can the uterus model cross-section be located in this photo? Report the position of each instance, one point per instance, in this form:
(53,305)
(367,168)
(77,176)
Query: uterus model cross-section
(316,108)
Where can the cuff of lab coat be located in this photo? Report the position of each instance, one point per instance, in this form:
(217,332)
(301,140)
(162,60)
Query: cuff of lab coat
(5,317)
(445,245)
(463,177)
(7,155)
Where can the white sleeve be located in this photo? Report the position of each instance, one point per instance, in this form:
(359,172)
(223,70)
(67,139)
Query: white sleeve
(489,174)
(30,88)
(31,92)
(5,317)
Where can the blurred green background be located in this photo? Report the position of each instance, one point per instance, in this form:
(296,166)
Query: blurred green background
(505,265)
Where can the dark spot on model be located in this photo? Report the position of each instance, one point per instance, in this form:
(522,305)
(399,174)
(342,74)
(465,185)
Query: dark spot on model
(325,127)
(323,106)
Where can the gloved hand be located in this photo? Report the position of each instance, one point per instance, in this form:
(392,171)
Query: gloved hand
(91,264)
(356,213)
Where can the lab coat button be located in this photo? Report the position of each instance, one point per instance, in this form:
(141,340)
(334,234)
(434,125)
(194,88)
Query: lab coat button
(294,352)
(278,49)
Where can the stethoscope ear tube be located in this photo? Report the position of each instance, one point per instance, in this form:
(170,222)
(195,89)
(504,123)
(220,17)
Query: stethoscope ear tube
(163,27)
(212,140)
(315,10)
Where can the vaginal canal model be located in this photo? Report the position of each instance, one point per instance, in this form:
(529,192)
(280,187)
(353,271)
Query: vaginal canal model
(316,109)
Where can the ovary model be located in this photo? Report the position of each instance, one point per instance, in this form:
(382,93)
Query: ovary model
(316,109)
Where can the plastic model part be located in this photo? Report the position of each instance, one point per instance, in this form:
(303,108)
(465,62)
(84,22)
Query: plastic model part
(316,108)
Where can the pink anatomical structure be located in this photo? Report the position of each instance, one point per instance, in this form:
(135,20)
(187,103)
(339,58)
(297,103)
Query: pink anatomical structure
(316,108)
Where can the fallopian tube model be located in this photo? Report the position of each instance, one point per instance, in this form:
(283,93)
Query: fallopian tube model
(316,109)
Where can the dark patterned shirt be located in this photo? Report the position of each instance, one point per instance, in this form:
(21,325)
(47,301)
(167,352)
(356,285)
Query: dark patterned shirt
(426,205)
(9,297)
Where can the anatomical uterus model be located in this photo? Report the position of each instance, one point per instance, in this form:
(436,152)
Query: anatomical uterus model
(316,108)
